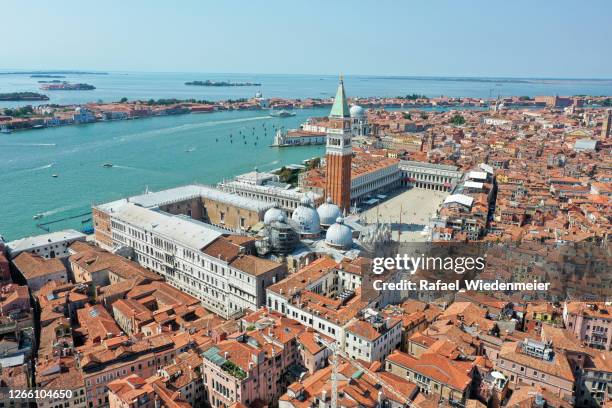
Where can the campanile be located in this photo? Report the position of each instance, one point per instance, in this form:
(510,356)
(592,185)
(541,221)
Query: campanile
(339,152)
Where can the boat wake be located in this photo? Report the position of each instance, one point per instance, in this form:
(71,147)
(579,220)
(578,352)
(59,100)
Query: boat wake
(57,210)
(181,128)
(29,145)
(46,166)
(221,122)
(118,166)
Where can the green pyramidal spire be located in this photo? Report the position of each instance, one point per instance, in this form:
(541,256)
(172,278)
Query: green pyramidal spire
(340,108)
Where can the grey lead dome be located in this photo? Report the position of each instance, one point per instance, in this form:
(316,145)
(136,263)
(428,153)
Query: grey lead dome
(357,111)
(328,212)
(339,235)
(307,218)
(273,214)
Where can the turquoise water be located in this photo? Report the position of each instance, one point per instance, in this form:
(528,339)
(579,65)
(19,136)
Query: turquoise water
(144,86)
(146,152)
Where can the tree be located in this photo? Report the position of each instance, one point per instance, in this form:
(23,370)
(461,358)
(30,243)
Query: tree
(414,97)
(314,163)
(457,120)
(288,176)
(19,112)
(407,116)
(123,100)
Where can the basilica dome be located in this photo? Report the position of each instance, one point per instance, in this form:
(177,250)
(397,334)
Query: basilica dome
(339,235)
(272,214)
(307,218)
(328,212)
(357,111)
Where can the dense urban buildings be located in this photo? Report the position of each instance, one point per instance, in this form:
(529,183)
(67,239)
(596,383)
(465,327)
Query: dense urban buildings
(257,292)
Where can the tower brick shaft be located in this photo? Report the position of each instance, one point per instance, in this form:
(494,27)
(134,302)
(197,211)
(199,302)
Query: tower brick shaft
(339,152)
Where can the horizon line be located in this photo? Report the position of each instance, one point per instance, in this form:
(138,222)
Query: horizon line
(17,71)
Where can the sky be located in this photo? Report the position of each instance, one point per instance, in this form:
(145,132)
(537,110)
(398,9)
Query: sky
(544,39)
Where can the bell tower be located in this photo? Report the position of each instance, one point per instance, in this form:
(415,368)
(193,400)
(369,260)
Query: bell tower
(339,152)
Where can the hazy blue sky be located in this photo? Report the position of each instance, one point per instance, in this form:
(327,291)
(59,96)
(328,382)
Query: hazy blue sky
(465,38)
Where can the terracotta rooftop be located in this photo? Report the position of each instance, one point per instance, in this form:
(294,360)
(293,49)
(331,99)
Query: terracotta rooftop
(33,266)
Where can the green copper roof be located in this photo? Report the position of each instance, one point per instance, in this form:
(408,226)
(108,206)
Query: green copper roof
(340,108)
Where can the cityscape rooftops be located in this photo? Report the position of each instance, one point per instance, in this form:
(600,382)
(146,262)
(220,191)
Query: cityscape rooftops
(462,199)
(304,277)
(94,259)
(255,266)
(33,266)
(29,243)
(436,367)
(558,366)
(178,194)
(367,331)
(190,233)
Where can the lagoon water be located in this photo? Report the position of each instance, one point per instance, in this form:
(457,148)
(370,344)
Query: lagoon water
(163,152)
(156,153)
(144,86)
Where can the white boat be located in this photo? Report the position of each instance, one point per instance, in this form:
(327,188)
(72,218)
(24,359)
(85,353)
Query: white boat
(107,165)
(5,130)
(54,176)
(281,114)
(37,216)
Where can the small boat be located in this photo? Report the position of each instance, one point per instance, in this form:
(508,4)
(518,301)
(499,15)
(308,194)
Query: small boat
(191,149)
(54,176)
(5,130)
(37,216)
(281,114)
(107,165)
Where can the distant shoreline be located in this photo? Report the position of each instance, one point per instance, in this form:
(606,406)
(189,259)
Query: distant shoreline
(53,73)
(46,76)
(22,96)
(208,82)
(63,115)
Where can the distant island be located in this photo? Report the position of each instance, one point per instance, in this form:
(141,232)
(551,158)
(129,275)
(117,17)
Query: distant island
(53,81)
(23,96)
(52,73)
(221,83)
(67,86)
(46,76)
